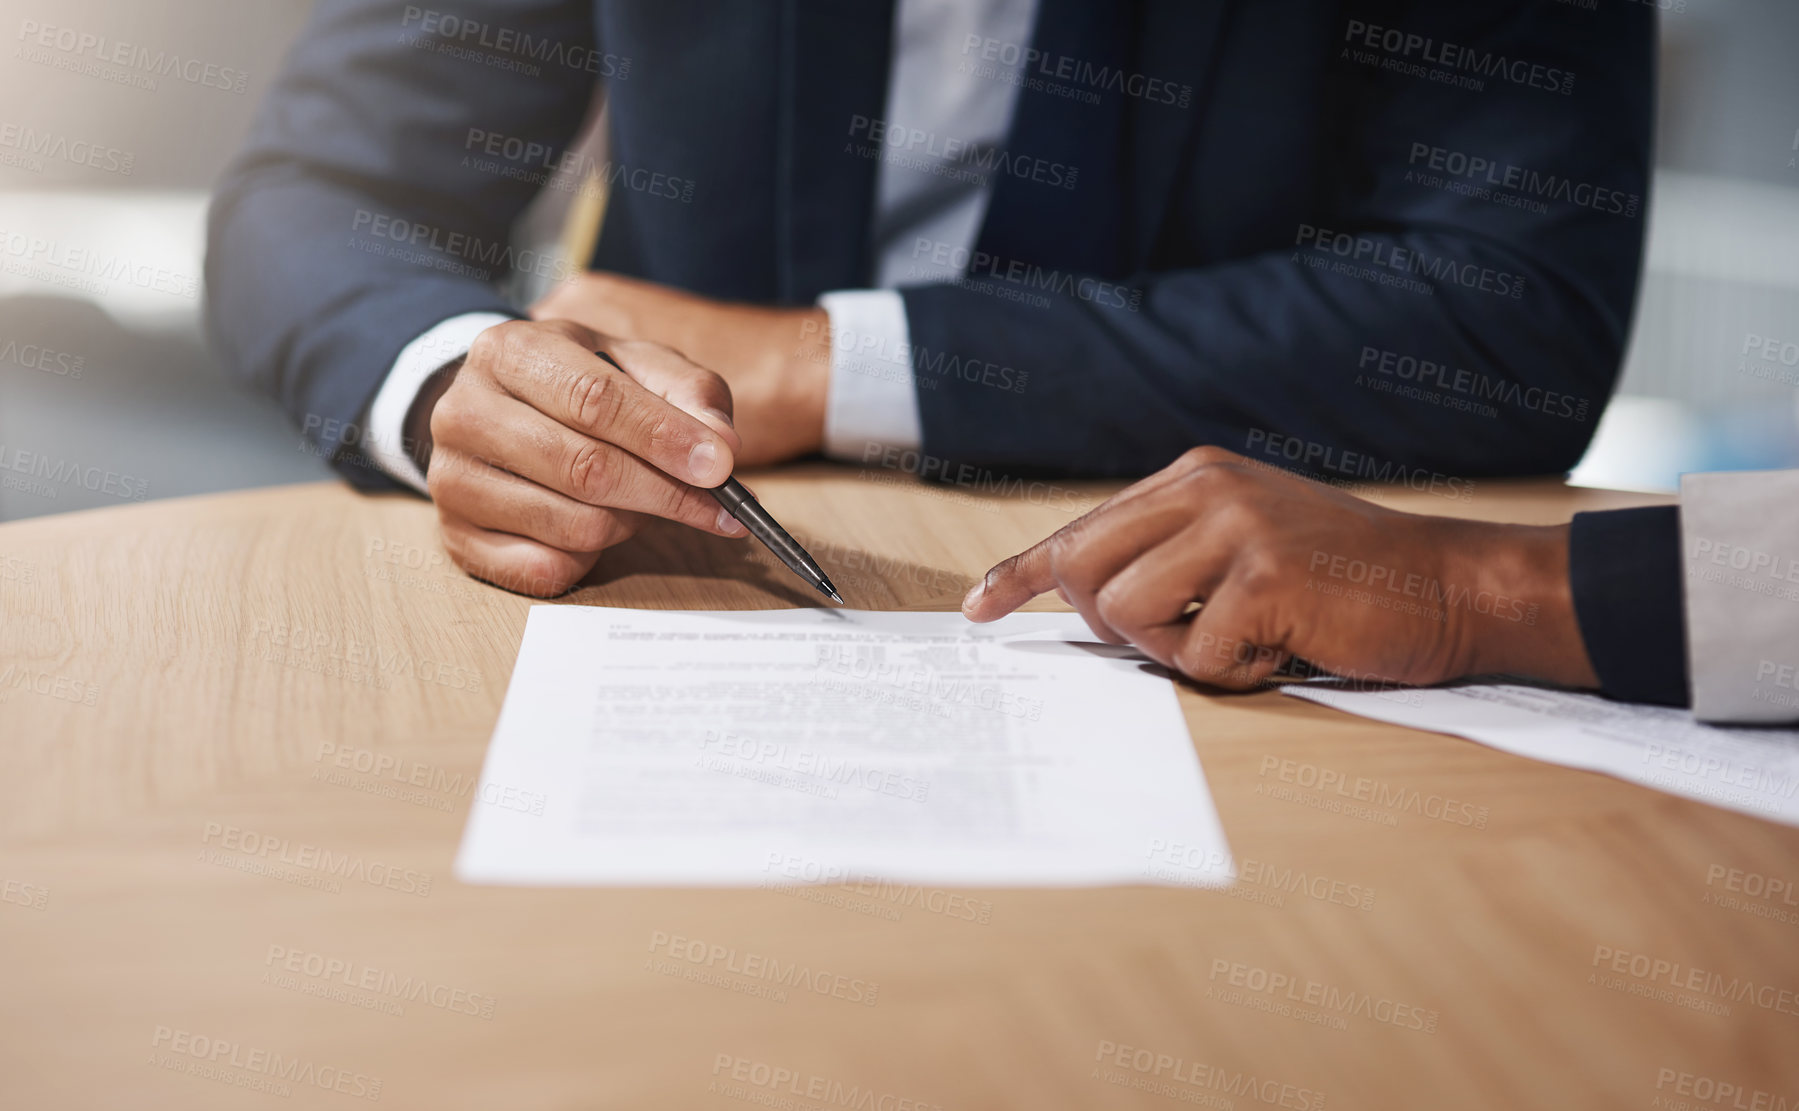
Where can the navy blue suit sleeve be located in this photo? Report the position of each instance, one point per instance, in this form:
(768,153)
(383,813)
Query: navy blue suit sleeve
(1624,567)
(376,191)
(1270,342)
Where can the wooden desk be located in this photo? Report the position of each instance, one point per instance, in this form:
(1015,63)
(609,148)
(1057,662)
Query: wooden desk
(179,666)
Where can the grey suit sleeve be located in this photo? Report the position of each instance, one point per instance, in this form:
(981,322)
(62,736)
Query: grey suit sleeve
(1740,544)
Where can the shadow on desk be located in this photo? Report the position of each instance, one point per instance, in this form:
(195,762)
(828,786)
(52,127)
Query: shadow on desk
(663,550)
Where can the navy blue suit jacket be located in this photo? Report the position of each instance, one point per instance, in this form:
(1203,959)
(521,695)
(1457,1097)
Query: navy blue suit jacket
(1306,138)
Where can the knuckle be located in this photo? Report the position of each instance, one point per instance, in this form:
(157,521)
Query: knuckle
(593,398)
(1006,569)
(640,348)
(485,350)
(689,504)
(1205,455)
(443,478)
(450,416)
(1066,565)
(592,472)
(1218,483)
(1239,518)
(1260,573)
(665,434)
(588,530)
(1207,475)
(538,521)
(1216,463)
(1064,544)
(569,329)
(492,347)
(1116,606)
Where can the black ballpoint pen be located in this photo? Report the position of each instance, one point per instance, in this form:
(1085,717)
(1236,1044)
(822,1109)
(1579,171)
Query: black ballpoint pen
(742,504)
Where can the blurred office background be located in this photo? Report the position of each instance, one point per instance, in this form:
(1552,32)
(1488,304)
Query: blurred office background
(114,374)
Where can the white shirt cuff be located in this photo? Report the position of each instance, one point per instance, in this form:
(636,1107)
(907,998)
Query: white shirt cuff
(418,361)
(871,399)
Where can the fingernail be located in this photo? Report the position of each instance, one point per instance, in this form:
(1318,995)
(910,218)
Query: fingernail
(729,524)
(973,597)
(702,461)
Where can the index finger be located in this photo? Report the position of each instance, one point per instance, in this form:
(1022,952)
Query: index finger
(1013,582)
(667,374)
(561,377)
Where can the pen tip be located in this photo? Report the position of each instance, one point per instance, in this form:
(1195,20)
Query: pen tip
(835,597)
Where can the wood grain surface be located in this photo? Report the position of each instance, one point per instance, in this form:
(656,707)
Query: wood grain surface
(199,908)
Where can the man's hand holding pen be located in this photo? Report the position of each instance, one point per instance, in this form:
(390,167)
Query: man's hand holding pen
(543,455)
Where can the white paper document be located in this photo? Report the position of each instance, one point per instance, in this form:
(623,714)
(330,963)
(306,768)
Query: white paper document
(1752,770)
(772,747)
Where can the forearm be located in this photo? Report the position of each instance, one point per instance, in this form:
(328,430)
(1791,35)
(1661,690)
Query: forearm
(1243,354)
(364,208)
(321,330)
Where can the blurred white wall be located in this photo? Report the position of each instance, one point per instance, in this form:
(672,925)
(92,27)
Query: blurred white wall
(1721,282)
(109,377)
